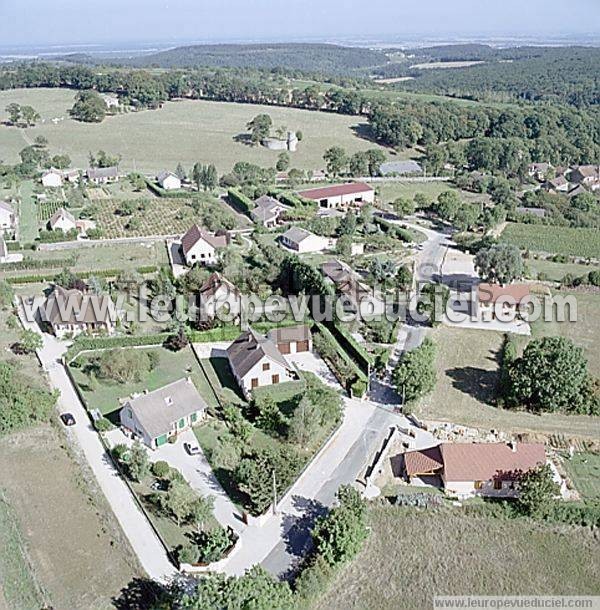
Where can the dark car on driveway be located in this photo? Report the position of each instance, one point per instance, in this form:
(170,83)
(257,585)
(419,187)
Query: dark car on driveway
(191,449)
(67,419)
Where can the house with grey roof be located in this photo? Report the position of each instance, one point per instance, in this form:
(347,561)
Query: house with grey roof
(102,175)
(255,362)
(62,220)
(400,168)
(156,416)
(267,211)
(300,240)
(168,181)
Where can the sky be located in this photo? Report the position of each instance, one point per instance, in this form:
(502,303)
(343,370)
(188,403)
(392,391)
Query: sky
(56,22)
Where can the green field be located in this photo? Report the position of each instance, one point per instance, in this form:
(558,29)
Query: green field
(553,240)
(468,374)
(412,555)
(18,587)
(104,395)
(556,271)
(28,221)
(585,331)
(584,471)
(183,131)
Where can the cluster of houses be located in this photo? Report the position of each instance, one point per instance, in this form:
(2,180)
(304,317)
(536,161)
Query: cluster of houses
(255,361)
(570,181)
(55,178)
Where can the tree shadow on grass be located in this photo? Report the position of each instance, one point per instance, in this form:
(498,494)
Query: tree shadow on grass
(479,383)
(244,138)
(139,594)
(364,132)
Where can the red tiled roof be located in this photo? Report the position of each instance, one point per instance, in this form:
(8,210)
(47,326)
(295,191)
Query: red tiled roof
(195,234)
(423,461)
(352,188)
(490,293)
(486,461)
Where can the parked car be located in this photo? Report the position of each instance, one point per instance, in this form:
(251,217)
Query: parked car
(67,419)
(191,449)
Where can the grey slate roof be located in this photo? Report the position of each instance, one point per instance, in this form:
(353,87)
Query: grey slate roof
(287,334)
(297,234)
(102,172)
(250,348)
(400,167)
(158,410)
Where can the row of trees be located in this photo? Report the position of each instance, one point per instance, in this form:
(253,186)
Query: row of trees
(362,163)
(22,116)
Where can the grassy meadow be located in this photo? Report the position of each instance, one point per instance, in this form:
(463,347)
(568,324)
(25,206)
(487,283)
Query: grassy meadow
(184,131)
(412,555)
(468,374)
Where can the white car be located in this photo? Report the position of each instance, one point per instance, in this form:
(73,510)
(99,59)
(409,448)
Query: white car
(191,449)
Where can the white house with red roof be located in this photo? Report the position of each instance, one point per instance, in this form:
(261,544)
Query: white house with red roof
(476,469)
(341,195)
(201,246)
(494,300)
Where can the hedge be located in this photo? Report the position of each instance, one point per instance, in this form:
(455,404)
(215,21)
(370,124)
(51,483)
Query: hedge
(356,351)
(357,385)
(29,263)
(34,279)
(239,199)
(389,227)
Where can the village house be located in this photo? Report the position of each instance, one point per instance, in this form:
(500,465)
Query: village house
(586,175)
(303,241)
(52,178)
(559,184)
(539,171)
(474,469)
(291,339)
(155,417)
(8,217)
(102,175)
(509,300)
(168,181)
(219,293)
(71,312)
(201,246)
(62,220)
(256,362)
(267,211)
(358,296)
(341,195)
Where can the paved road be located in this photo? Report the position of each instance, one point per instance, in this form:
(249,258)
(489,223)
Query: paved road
(284,536)
(145,544)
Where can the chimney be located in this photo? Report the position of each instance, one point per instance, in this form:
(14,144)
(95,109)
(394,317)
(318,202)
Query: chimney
(168,400)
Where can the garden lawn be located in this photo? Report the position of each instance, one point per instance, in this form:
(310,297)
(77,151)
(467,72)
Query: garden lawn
(584,471)
(221,380)
(187,131)
(412,555)
(585,332)
(28,221)
(553,240)
(467,384)
(104,395)
(556,271)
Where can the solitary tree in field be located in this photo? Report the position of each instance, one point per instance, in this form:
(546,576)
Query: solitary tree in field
(29,115)
(335,160)
(260,127)
(14,113)
(89,107)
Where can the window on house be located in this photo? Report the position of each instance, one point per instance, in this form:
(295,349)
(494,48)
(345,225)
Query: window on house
(478,484)
(254,383)
(275,378)
(497,484)
(266,366)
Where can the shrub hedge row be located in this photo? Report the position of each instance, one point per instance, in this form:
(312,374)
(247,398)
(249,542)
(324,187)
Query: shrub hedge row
(29,263)
(354,349)
(34,279)
(157,190)
(239,199)
(393,229)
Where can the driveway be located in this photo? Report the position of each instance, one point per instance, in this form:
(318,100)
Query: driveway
(313,363)
(85,441)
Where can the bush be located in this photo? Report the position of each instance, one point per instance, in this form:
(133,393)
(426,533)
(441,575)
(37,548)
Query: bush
(215,543)
(240,200)
(419,500)
(103,424)
(161,469)
(188,553)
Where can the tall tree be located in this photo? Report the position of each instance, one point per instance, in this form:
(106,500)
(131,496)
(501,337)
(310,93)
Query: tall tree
(335,160)
(14,113)
(499,263)
(260,127)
